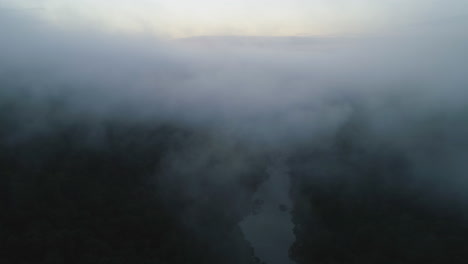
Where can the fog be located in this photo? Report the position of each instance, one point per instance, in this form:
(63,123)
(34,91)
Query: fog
(166,145)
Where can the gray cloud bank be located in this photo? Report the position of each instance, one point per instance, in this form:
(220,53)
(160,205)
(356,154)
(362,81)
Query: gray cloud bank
(246,87)
(399,94)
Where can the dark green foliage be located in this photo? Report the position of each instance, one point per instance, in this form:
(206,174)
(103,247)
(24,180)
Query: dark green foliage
(358,201)
(78,190)
(84,187)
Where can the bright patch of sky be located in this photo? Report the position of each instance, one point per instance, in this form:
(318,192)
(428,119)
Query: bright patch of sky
(184,18)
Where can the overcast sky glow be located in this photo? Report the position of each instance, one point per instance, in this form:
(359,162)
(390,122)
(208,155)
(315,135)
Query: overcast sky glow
(183,18)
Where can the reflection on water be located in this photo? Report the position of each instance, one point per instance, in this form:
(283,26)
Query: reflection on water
(270,229)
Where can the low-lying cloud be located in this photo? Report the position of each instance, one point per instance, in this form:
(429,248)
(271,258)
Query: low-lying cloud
(332,110)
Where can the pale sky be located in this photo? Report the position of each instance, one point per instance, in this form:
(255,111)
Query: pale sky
(185,18)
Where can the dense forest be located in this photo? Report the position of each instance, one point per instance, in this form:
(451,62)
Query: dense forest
(119,189)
